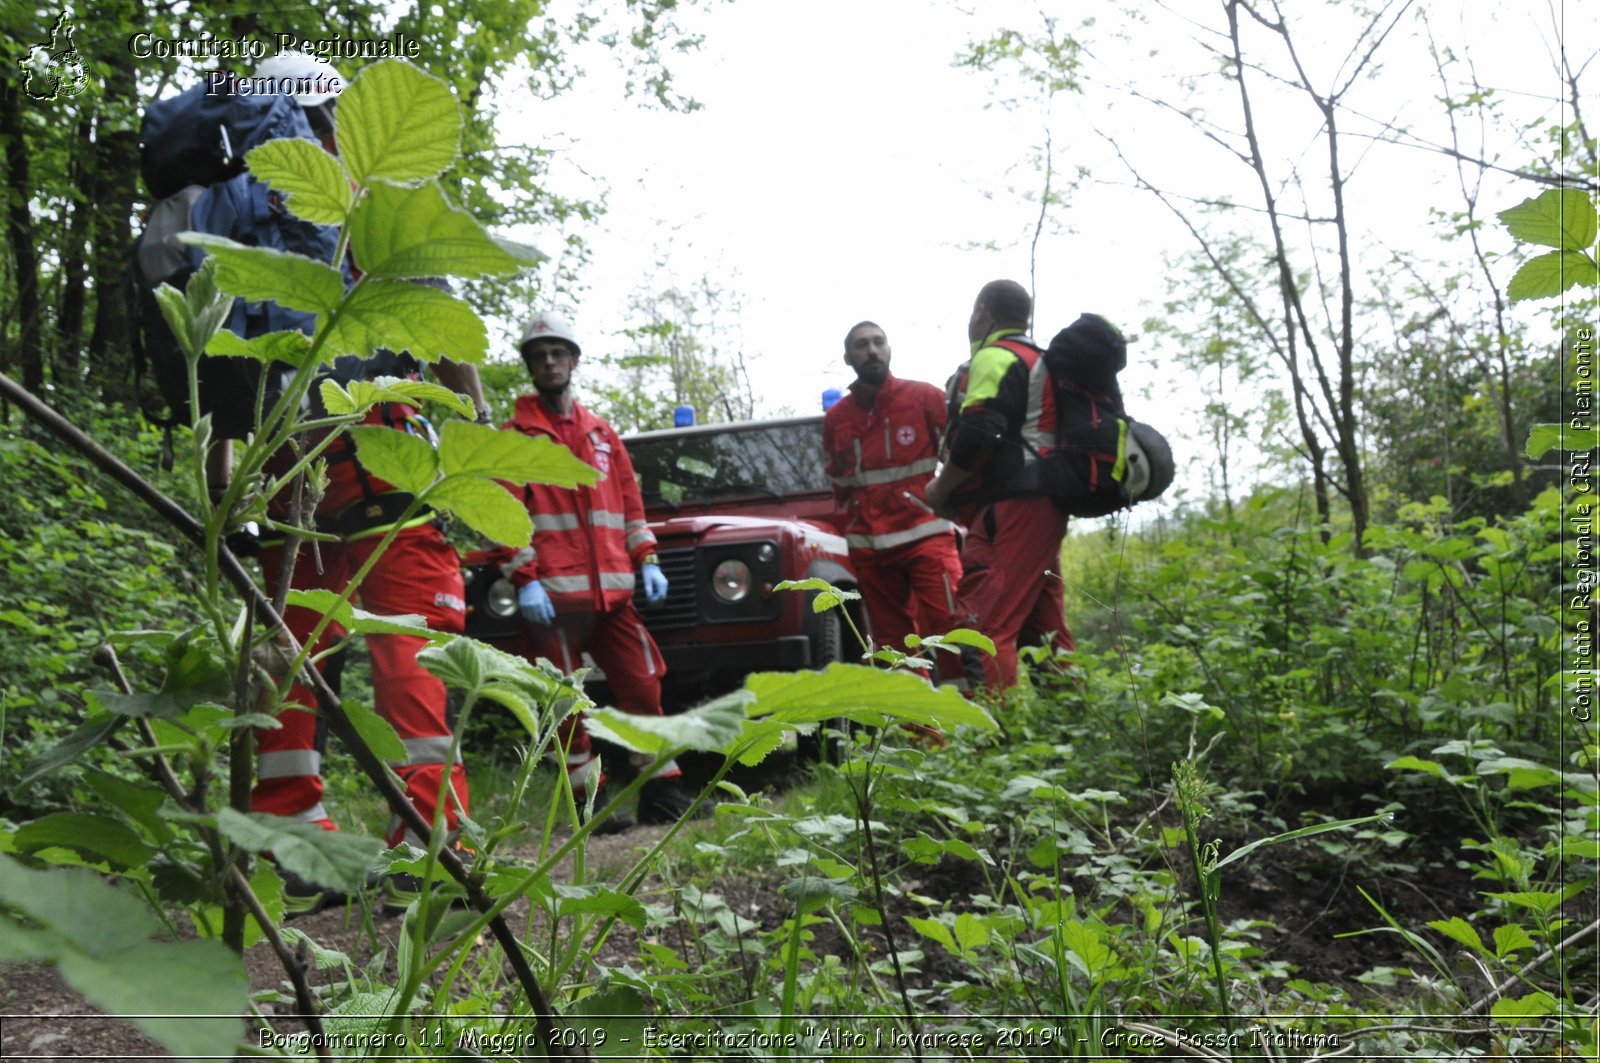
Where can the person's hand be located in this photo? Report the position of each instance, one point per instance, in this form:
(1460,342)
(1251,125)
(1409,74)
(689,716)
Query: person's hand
(535,604)
(937,494)
(655,584)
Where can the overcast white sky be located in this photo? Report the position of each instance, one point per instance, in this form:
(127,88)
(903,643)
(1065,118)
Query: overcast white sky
(842,169)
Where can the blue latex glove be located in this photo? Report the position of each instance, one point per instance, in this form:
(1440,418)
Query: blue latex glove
(655,584)
(535,603)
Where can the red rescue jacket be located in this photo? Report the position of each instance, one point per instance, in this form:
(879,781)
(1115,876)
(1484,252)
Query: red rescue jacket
(586,540)
(877,454)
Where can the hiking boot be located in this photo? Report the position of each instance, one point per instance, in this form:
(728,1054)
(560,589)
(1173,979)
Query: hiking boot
(666,801)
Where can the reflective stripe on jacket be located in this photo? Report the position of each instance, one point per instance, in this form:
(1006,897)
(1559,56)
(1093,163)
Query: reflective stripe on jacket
(879,452)
(586,540)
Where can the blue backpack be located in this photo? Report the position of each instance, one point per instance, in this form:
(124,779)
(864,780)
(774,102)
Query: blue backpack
(192,149)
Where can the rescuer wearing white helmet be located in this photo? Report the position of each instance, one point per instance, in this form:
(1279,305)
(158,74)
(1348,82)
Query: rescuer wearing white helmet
(575,584)
(314,84)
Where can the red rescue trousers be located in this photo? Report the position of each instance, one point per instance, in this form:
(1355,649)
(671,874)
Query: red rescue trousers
(1009,582)
(419,573)
(628,655)
(910,589)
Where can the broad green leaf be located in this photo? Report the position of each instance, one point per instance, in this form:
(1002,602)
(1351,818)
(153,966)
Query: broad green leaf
(335,859)
(1562,218)
(361,395)
(1085,943)
(934,930)
(359,621)
(397,123)
(970,931)
(480,670)
(1548,275)
(257,273)
(761,738)
(860,693)
(811,892)
(619,1012)
(404,460)
(710,728)
(378,733)
(415,232)
(1542,901)
(1458,929)
(98,937)
(179,317)
(1411,763)
(1517,1011)
(510,456)
(408,317)
(484,506)
(194,676)
(88,735)
(267,348)
(1511,938)
(92,836)
(962,636)
(140,803)
(1293,835)
(1543,438)
(600,900)
(312,180)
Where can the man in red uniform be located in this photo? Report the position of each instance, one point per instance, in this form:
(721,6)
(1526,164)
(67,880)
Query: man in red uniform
(575,582)
(1004,420)
(882,443)
(419,573)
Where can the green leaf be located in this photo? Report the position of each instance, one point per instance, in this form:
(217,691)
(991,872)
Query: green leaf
(179,317)
(362,395)
(334,859)
(1085,943)
(970,931)
(1458,929)
(267,348)
(194,676)
(1543,438)
(483,451)
(1542,901)
(360,622)
(484,506)
(962,636)
(407,317)
(710,728)
(1303,832)
(1548,275)
(313,182)
(619,1012)
(88,735)
(97,936)
(600,900)
(480,670)
(860,693)
(934,930)
(1511,938)
(378,733)
(94,837)
(1516,1011)
(406,461)
(415,232)
(257,273)
(1562,218)
(811,892)
(1411,763)
(397,123)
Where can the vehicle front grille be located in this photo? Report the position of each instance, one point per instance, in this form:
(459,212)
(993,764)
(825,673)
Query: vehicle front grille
(680,609)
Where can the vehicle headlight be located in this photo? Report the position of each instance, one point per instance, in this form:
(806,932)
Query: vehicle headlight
(501,600)
(731,580)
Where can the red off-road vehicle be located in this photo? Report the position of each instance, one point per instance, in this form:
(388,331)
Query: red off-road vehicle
(736,509)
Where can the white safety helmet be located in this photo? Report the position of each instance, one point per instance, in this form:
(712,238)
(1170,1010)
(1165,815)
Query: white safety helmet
(550,326)
(311,81)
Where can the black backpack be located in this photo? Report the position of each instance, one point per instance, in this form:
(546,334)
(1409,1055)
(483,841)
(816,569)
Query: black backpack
(1103,460)
(192,149)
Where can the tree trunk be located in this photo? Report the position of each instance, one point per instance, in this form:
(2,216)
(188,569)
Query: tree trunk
(29,352)
(116,166)
(74,269)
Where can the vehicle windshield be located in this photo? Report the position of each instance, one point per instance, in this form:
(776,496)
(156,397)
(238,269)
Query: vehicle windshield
(692,466)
